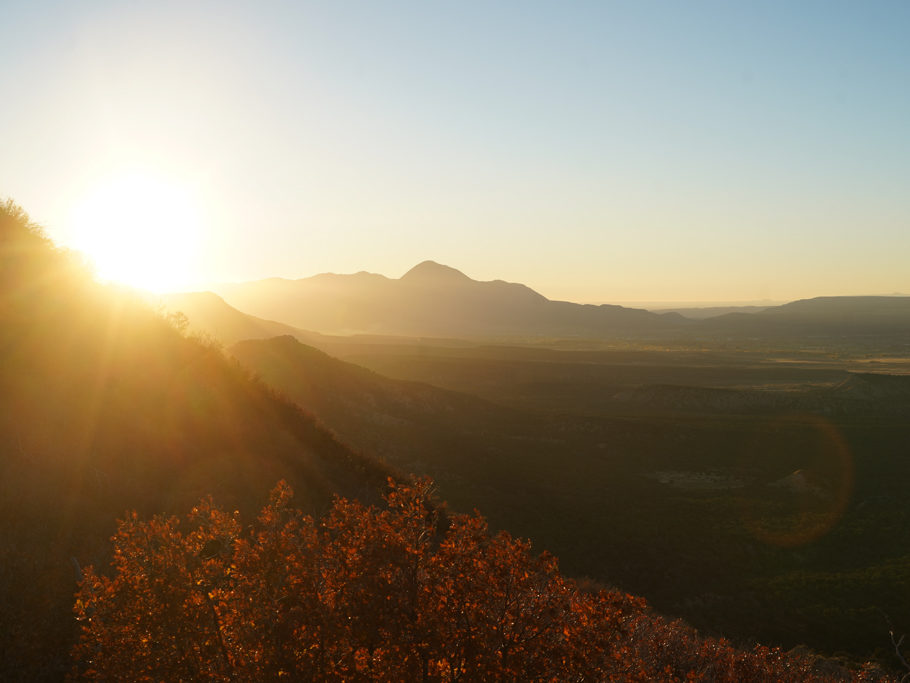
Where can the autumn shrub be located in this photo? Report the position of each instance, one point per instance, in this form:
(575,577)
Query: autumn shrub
(374,594)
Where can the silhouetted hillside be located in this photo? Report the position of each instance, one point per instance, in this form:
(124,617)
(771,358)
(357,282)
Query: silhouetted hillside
(105,407)
(468,445)
(329,386)
(434,300)
(209,314)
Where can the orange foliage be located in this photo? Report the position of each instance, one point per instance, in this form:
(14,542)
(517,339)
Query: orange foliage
(373,594)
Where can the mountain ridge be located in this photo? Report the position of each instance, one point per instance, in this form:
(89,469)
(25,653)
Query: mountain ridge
(433,300)
(433,271)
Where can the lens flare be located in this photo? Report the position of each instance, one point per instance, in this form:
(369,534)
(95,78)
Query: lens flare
(806,503)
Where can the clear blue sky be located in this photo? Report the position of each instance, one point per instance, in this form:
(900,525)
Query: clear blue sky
(596,151)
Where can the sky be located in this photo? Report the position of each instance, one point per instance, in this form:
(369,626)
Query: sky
(595,151)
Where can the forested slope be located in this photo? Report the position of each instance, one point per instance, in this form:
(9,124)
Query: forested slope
(104,407)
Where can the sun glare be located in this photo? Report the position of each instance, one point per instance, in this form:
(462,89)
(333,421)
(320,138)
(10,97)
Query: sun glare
(140,230)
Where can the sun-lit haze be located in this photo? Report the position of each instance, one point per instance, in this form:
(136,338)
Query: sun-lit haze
(140,230)
(629,279)
(596,151)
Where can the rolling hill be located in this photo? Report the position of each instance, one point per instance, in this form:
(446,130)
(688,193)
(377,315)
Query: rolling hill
(475,450)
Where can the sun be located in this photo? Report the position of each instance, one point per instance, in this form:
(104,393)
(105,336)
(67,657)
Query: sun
(141,230)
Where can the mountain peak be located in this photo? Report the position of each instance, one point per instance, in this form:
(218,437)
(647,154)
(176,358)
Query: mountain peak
(430,271)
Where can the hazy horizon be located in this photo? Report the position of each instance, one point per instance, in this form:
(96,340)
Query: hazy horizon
(598,152)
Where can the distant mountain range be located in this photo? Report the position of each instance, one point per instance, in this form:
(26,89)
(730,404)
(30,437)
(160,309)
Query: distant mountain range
(433,300)
(436,301)
(833,316)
